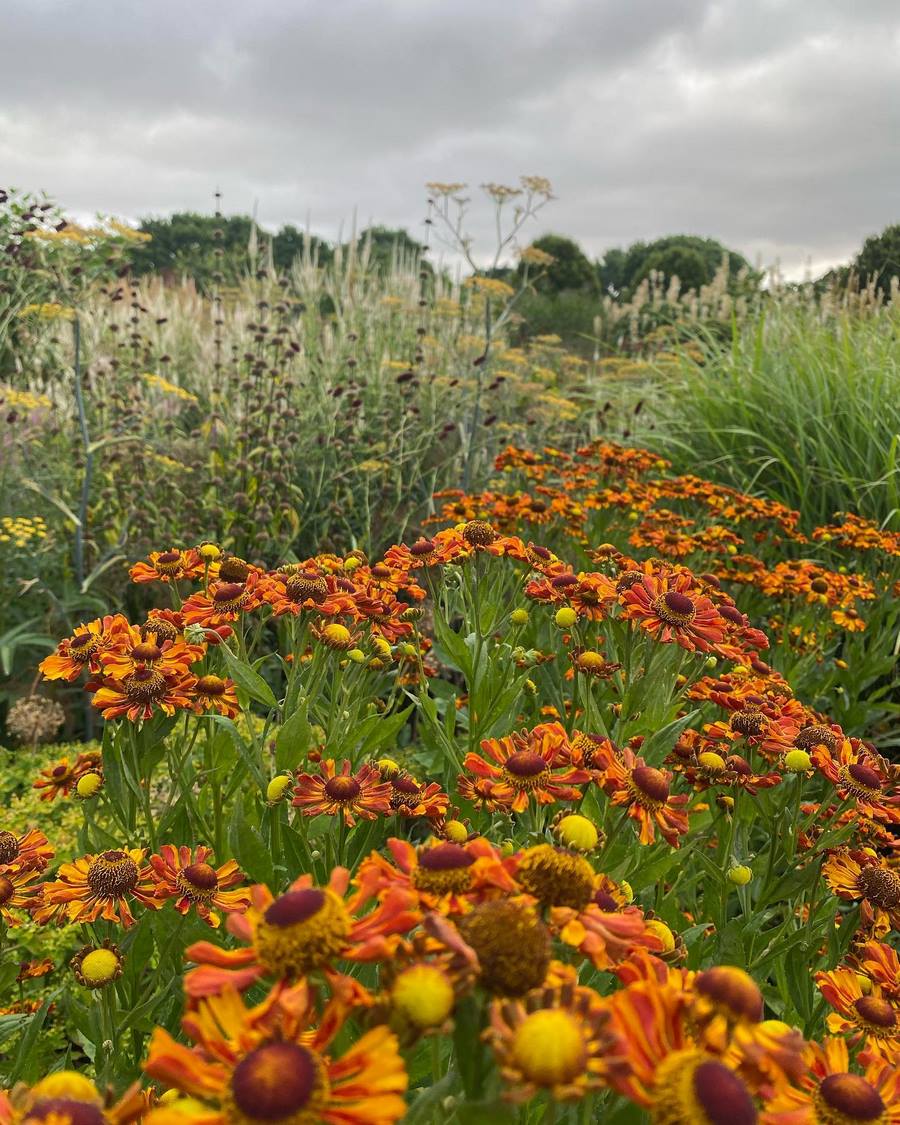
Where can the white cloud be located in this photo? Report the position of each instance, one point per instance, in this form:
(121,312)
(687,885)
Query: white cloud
(770,124)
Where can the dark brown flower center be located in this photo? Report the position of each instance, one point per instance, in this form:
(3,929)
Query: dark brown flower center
(211,685)
(819,586)
(295,906)
(342,788)
(200,877)
(813,736)
(479,533)
(229,592)
(233,569)
(112,874)
(880,885)
(422,548)
(512,943)
(159,628)
(275,1081)
(852,1096)
(168,563)
(651,783)
(7,890)
(749,722)
(606,902)
(305,586)
(444,857)
(83,646)
(722,1096)
(731,614)
(66,1109)
(674,608)
(864,775)
(556,877)
(876,1012)
(146,652)
(627,579)
(9,847)
(525,764)
(144,685)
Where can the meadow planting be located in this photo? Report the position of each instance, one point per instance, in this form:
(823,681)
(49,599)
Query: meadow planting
(406,723)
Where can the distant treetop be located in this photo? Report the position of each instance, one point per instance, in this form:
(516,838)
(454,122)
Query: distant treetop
(690,258)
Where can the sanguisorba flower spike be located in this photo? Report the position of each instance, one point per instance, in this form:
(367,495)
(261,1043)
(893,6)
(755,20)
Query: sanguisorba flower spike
(99,886)
(273,1063)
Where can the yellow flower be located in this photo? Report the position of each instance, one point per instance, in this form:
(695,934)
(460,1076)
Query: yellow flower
(490,286)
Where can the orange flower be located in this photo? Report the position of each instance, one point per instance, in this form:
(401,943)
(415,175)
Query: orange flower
(871,1018)
(531,764)
(132,649)
(670,607)
(859,876)
(301,931)
(98,886)
(603,931)
(84,649)
(413,798)
(555,1039)
(880,963)
(212,693)
(29,852)
(16,892)
(274,1062)
(829,1091)
(645,794)
(447,877)
(59,778)
(168,566)
(345,794)
(224,602)
(693,1047)
(858,773)
(140,692)
(187,877)
(296,589)
(67,1097)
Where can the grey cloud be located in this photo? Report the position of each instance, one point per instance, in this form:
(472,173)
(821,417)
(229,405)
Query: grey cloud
(771,124)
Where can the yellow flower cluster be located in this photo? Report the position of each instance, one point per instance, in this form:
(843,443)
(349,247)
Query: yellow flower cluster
(446,306)
(536,257)
(9,396)
(492,286)
(49,311)
(70,233)
(129,233)
(168,388)
(21,530)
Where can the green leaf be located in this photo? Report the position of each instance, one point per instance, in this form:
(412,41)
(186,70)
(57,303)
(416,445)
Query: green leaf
(251,682)
(249,848)
(293,739)
(660,743)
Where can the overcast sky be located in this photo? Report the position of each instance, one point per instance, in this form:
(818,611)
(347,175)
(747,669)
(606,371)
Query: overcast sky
(772,125)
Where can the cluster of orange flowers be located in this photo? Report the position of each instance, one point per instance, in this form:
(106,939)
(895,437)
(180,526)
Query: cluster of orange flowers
(421,937)
(106,885)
